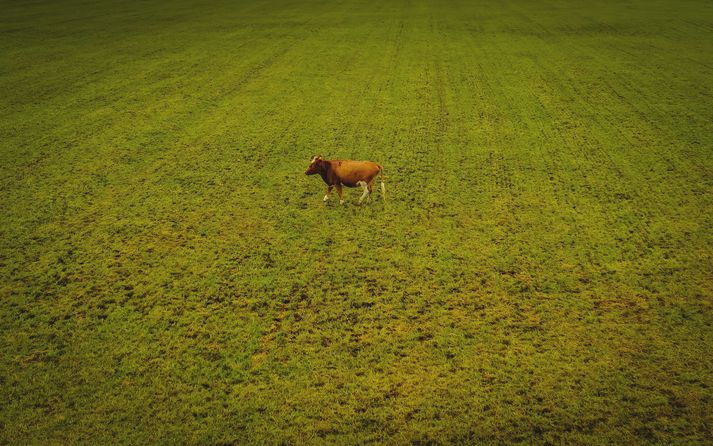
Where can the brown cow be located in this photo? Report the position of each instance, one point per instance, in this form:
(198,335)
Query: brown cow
(338,173)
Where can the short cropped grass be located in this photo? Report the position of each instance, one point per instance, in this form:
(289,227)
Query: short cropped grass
(541,271)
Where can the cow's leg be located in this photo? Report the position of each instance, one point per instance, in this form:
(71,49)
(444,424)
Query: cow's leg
(339,192)
(329,191)
(365,186)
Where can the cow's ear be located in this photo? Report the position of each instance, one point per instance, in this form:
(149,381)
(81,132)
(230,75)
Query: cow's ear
(319,157)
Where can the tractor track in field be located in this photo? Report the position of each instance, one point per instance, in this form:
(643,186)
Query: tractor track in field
(213,102)
(602,156)
(641,229)
(549,160)
(628,86)
(502,184)
(442,125)
(88,80)
(339,137)
(431,154)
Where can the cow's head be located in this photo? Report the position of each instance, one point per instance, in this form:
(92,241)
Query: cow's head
(315,166)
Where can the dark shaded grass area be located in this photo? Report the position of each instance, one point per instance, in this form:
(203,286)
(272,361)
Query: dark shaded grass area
(540,273)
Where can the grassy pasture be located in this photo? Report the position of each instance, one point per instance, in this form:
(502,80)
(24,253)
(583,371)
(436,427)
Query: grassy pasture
(541,272)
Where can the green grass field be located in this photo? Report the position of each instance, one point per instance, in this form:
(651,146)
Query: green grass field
(541,273)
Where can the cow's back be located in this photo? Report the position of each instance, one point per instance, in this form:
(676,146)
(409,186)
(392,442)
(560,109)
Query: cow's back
(351,172)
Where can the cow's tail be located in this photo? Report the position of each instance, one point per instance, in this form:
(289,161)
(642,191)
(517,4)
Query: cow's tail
(383,187)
